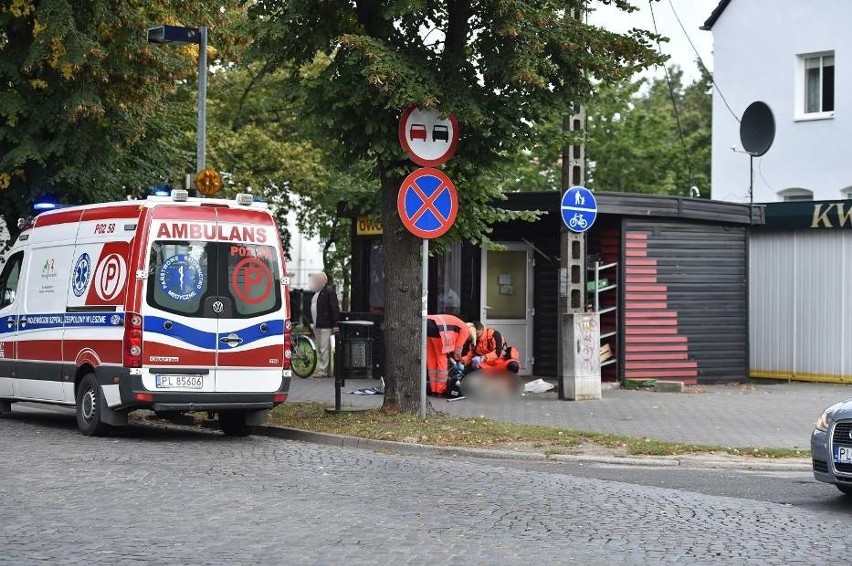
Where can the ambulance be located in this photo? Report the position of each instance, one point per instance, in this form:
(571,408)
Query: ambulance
(171,304)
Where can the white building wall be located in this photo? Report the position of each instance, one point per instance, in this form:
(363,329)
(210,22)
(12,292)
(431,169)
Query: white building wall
(801,305)
(305,255)
(756,48)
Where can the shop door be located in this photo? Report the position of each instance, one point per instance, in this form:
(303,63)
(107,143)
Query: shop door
(507,297)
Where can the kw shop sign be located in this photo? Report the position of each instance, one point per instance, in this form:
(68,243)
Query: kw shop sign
(832,215)
(809,214)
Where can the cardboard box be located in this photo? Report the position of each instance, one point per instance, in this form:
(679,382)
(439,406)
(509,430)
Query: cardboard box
(606,352)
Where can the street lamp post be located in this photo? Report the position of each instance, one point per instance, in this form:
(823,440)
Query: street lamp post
(179,35)
(201,133)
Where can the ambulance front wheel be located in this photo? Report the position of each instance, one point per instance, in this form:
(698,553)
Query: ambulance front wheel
(233,423)
(89,408)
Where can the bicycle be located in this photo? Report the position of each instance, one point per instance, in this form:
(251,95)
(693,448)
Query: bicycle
(303,351)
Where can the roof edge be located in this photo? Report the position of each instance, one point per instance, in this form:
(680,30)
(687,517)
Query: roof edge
(717,13)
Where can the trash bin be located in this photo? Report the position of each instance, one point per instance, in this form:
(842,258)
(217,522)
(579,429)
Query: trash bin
(356,349)
(377,340)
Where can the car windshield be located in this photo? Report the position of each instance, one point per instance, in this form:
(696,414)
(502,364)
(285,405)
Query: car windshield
(186,275)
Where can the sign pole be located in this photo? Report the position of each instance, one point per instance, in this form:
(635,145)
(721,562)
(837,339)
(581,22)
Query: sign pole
(427,202)
(424,299)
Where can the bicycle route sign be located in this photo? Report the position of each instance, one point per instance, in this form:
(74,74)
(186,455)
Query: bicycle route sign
(429,139)
(579,209)
(427,203)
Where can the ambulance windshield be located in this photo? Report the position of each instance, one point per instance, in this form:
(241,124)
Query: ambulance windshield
(190,277)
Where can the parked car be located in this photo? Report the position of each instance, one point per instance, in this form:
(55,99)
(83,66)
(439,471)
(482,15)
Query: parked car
(831,446)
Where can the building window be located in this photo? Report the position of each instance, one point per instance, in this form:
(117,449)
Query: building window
(449,281)
(788,195)
(816,85)
(376,296)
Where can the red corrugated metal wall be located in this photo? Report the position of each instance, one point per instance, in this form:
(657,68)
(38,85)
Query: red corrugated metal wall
(653,345)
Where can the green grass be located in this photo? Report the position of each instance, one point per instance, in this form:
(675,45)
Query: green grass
(444,430)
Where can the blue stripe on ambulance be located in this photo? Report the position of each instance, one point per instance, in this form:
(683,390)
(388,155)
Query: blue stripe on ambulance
(209,340)
(47,321)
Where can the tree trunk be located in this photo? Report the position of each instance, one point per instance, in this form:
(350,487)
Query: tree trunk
(402,306)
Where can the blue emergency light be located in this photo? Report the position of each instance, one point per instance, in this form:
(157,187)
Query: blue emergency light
(160,190)
(44,204)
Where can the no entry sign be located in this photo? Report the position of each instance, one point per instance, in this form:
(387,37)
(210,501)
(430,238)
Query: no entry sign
(427,138)
(427,203)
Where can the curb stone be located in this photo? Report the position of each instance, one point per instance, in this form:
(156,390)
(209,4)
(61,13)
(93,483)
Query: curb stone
(343,441)
(617,460)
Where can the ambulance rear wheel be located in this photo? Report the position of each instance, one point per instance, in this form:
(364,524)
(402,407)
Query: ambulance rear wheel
(233,423)
(89,413)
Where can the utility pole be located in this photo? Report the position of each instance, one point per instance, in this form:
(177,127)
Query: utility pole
(572,256)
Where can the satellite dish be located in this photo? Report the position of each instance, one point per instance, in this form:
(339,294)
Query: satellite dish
(757,129)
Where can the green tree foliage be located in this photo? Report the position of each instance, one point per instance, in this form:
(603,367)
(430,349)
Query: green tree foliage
(633,140)
(502,66)
(89,111)
(259,142)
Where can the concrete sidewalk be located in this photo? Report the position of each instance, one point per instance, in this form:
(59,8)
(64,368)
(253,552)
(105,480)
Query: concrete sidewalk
(766,415)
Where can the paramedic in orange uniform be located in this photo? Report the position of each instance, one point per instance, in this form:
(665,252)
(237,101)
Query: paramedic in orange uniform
(490,353)
(446,335)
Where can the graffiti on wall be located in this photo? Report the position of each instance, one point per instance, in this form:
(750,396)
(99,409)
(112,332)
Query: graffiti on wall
(588,342)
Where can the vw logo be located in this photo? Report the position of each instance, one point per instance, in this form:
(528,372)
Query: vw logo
(218,307)
(850,434)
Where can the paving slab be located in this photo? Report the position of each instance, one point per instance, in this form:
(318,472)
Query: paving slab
(762,414)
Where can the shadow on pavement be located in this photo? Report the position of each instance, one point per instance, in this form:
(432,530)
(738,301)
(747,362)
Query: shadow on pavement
(63,419)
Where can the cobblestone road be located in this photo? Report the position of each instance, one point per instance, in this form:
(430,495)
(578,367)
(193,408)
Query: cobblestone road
(179,496)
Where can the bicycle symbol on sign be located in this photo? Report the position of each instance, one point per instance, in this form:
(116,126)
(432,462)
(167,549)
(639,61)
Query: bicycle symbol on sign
(578,221)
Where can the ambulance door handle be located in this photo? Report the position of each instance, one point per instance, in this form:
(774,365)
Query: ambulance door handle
(231,340)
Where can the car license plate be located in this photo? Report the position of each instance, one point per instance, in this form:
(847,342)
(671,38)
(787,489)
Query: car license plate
(843,454)
(180,382)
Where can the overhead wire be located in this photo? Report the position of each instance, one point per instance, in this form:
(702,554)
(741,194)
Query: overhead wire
(760,172)
(701,62)
(686,155)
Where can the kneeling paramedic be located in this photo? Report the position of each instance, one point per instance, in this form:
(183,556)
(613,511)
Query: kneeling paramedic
(447,336)
(490,352)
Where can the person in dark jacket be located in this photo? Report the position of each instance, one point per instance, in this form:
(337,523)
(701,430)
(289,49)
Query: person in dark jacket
(325,314)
